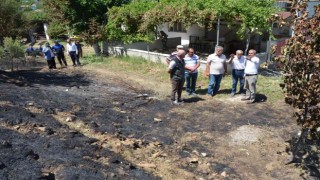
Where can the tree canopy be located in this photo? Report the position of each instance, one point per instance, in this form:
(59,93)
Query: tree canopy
(76,16)
(18,17)
(139,19)
(11,19)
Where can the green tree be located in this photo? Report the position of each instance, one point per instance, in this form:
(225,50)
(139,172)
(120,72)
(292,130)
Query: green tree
(14,49)
(80,17)
(123,22)
(11,19)
(255,16)
(33,15)
(139,19)
(300,59)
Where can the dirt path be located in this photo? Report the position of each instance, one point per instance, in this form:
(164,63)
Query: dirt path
(80,124)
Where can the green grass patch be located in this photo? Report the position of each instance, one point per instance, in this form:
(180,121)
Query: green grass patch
(91,59)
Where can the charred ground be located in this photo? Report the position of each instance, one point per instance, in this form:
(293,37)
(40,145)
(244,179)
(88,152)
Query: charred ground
(76,123)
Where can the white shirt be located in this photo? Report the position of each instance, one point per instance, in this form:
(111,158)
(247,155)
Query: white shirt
(238,64)
(172,64)
(72,47)
(216,66)
(191,62)
(252,65)
(47,56)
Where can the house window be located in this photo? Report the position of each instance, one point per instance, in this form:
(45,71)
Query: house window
(177,27)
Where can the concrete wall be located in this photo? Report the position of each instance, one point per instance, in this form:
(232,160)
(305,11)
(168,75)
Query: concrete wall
(161,58)
(152,56)
(171,43)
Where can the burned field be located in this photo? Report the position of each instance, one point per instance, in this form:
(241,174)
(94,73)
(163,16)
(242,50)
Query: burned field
(79,124)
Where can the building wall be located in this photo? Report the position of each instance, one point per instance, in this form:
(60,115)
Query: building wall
(194,30)
(310,8)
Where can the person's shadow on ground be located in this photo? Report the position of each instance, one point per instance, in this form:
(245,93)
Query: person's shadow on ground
(205,91)
(202,91)
(261,98)
(192,99)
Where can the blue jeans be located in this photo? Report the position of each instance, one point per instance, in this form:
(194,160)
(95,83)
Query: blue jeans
(236,76)
(191,80)
(214,84)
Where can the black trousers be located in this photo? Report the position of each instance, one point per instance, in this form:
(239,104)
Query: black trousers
(74,58)
(62,59)
(52,64)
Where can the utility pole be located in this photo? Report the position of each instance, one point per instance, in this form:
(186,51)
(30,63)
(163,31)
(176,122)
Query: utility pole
(218,30)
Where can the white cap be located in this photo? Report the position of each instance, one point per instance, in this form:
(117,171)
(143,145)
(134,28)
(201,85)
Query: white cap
(180,47)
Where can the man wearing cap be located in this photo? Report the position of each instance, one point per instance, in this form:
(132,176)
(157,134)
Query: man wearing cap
(58,49)
(238,65)
(172,55)
(176,70)
(216,67)
(251,76)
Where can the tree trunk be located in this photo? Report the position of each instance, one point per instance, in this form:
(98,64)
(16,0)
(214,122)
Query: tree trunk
(96,48)
(247,45)
(31,36)
(105,48)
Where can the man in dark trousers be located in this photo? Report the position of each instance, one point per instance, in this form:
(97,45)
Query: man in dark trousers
(58,49)
(79,47)
(49,56)
(176,70)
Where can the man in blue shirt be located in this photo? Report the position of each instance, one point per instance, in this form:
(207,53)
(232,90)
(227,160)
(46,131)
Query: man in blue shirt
(58,49)
(29,50)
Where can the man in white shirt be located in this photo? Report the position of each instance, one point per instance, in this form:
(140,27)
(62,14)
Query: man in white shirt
(216,67)
(238,65)
(72,51)
(191,71)
(251,76)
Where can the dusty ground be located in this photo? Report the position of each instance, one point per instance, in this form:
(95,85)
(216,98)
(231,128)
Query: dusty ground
(77,123)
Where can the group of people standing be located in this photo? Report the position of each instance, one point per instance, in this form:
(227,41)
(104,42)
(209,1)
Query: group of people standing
(74,50)
(183,68)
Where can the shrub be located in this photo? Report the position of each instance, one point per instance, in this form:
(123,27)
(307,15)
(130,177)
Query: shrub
(300,60)
(14,49)
(1,52)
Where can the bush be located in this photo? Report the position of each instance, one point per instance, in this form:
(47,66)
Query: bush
(1,52)
(14,49)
